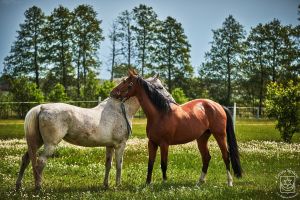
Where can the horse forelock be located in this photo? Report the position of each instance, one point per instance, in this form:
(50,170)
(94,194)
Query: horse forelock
(158,99)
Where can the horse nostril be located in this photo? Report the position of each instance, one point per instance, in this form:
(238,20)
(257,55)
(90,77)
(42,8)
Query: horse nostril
(118,93)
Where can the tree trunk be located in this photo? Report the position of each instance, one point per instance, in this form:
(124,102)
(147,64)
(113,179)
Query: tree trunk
(113,61)
(261,84)
(274,63)
(78,75)
(129,45)
(36,66)
(143,51)
(228,99)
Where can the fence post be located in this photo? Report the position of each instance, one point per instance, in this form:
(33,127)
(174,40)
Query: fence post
(99,100)
(257,112)
(234,115)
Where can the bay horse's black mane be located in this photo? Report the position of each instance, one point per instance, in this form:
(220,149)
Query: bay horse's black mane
(161,102)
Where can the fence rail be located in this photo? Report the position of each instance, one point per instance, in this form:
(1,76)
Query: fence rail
(13,110)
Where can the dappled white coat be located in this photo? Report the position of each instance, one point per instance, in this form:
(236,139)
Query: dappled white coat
(103,125)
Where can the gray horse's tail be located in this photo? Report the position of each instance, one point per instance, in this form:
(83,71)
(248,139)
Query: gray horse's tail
(32,134)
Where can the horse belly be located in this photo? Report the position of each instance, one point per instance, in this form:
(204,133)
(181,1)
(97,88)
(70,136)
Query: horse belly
(188,131)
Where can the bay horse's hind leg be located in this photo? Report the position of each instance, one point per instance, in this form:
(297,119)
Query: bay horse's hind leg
(203,148)
(24,163)
(108,160)
(221,139)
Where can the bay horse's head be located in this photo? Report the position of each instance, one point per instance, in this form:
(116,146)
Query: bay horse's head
(127,88)
(153,88)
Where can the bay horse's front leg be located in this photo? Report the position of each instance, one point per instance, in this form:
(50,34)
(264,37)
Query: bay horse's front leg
(164,149)
(152,149)
(108,160)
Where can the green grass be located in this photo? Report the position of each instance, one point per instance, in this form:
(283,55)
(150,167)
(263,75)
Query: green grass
(77,173)
(246,130)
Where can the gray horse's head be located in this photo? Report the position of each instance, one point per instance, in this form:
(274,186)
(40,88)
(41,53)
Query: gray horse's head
(160,87)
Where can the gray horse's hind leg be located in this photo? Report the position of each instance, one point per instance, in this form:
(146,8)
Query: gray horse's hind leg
(24,164)
(41,163)
(108,160)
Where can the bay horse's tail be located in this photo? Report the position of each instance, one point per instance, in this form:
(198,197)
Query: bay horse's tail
(232,145)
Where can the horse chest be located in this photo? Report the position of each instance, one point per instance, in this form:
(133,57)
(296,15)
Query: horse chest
(158,133)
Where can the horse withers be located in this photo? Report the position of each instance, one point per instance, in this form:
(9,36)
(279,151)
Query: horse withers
(104,125)
(170,124)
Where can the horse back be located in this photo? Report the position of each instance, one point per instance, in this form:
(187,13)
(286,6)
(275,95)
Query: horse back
(207,110)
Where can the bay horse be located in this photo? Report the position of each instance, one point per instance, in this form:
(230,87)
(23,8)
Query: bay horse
(170,124)
(104,125)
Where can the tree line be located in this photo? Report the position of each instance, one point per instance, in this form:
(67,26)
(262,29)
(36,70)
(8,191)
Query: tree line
(62,48)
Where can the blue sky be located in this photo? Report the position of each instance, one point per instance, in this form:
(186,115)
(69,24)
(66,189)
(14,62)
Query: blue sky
(198,18)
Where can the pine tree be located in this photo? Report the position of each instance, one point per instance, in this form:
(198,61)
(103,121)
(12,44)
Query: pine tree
(87,35)
(115,51)
(224,58)
(256,68)
(145,27)
(25,56)
(58,36)
(282,50)
(173,54)
(126,37)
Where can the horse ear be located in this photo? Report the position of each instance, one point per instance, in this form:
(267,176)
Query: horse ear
(132,72)
(156,76)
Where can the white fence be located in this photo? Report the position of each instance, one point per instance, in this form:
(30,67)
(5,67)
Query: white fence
(19,109)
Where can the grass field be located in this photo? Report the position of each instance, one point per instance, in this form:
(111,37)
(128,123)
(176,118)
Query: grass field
(77,173)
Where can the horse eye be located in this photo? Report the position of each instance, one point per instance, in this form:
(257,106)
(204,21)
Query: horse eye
(131,84)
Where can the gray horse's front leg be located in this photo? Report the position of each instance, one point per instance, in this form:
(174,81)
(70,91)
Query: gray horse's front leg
(119,161)
(109,153)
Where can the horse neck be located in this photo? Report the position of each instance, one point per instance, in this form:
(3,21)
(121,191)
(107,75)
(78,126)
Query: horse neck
(132,105)
(149,109)
(101,104)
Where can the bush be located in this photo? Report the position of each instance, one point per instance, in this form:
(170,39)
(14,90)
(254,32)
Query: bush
(179,96)
(5,107)
(282,103)
(105,89)
(57,94)
(91,89)
(25,91)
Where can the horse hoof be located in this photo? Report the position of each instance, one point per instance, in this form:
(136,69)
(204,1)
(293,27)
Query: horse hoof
(230,184)
(200,182)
